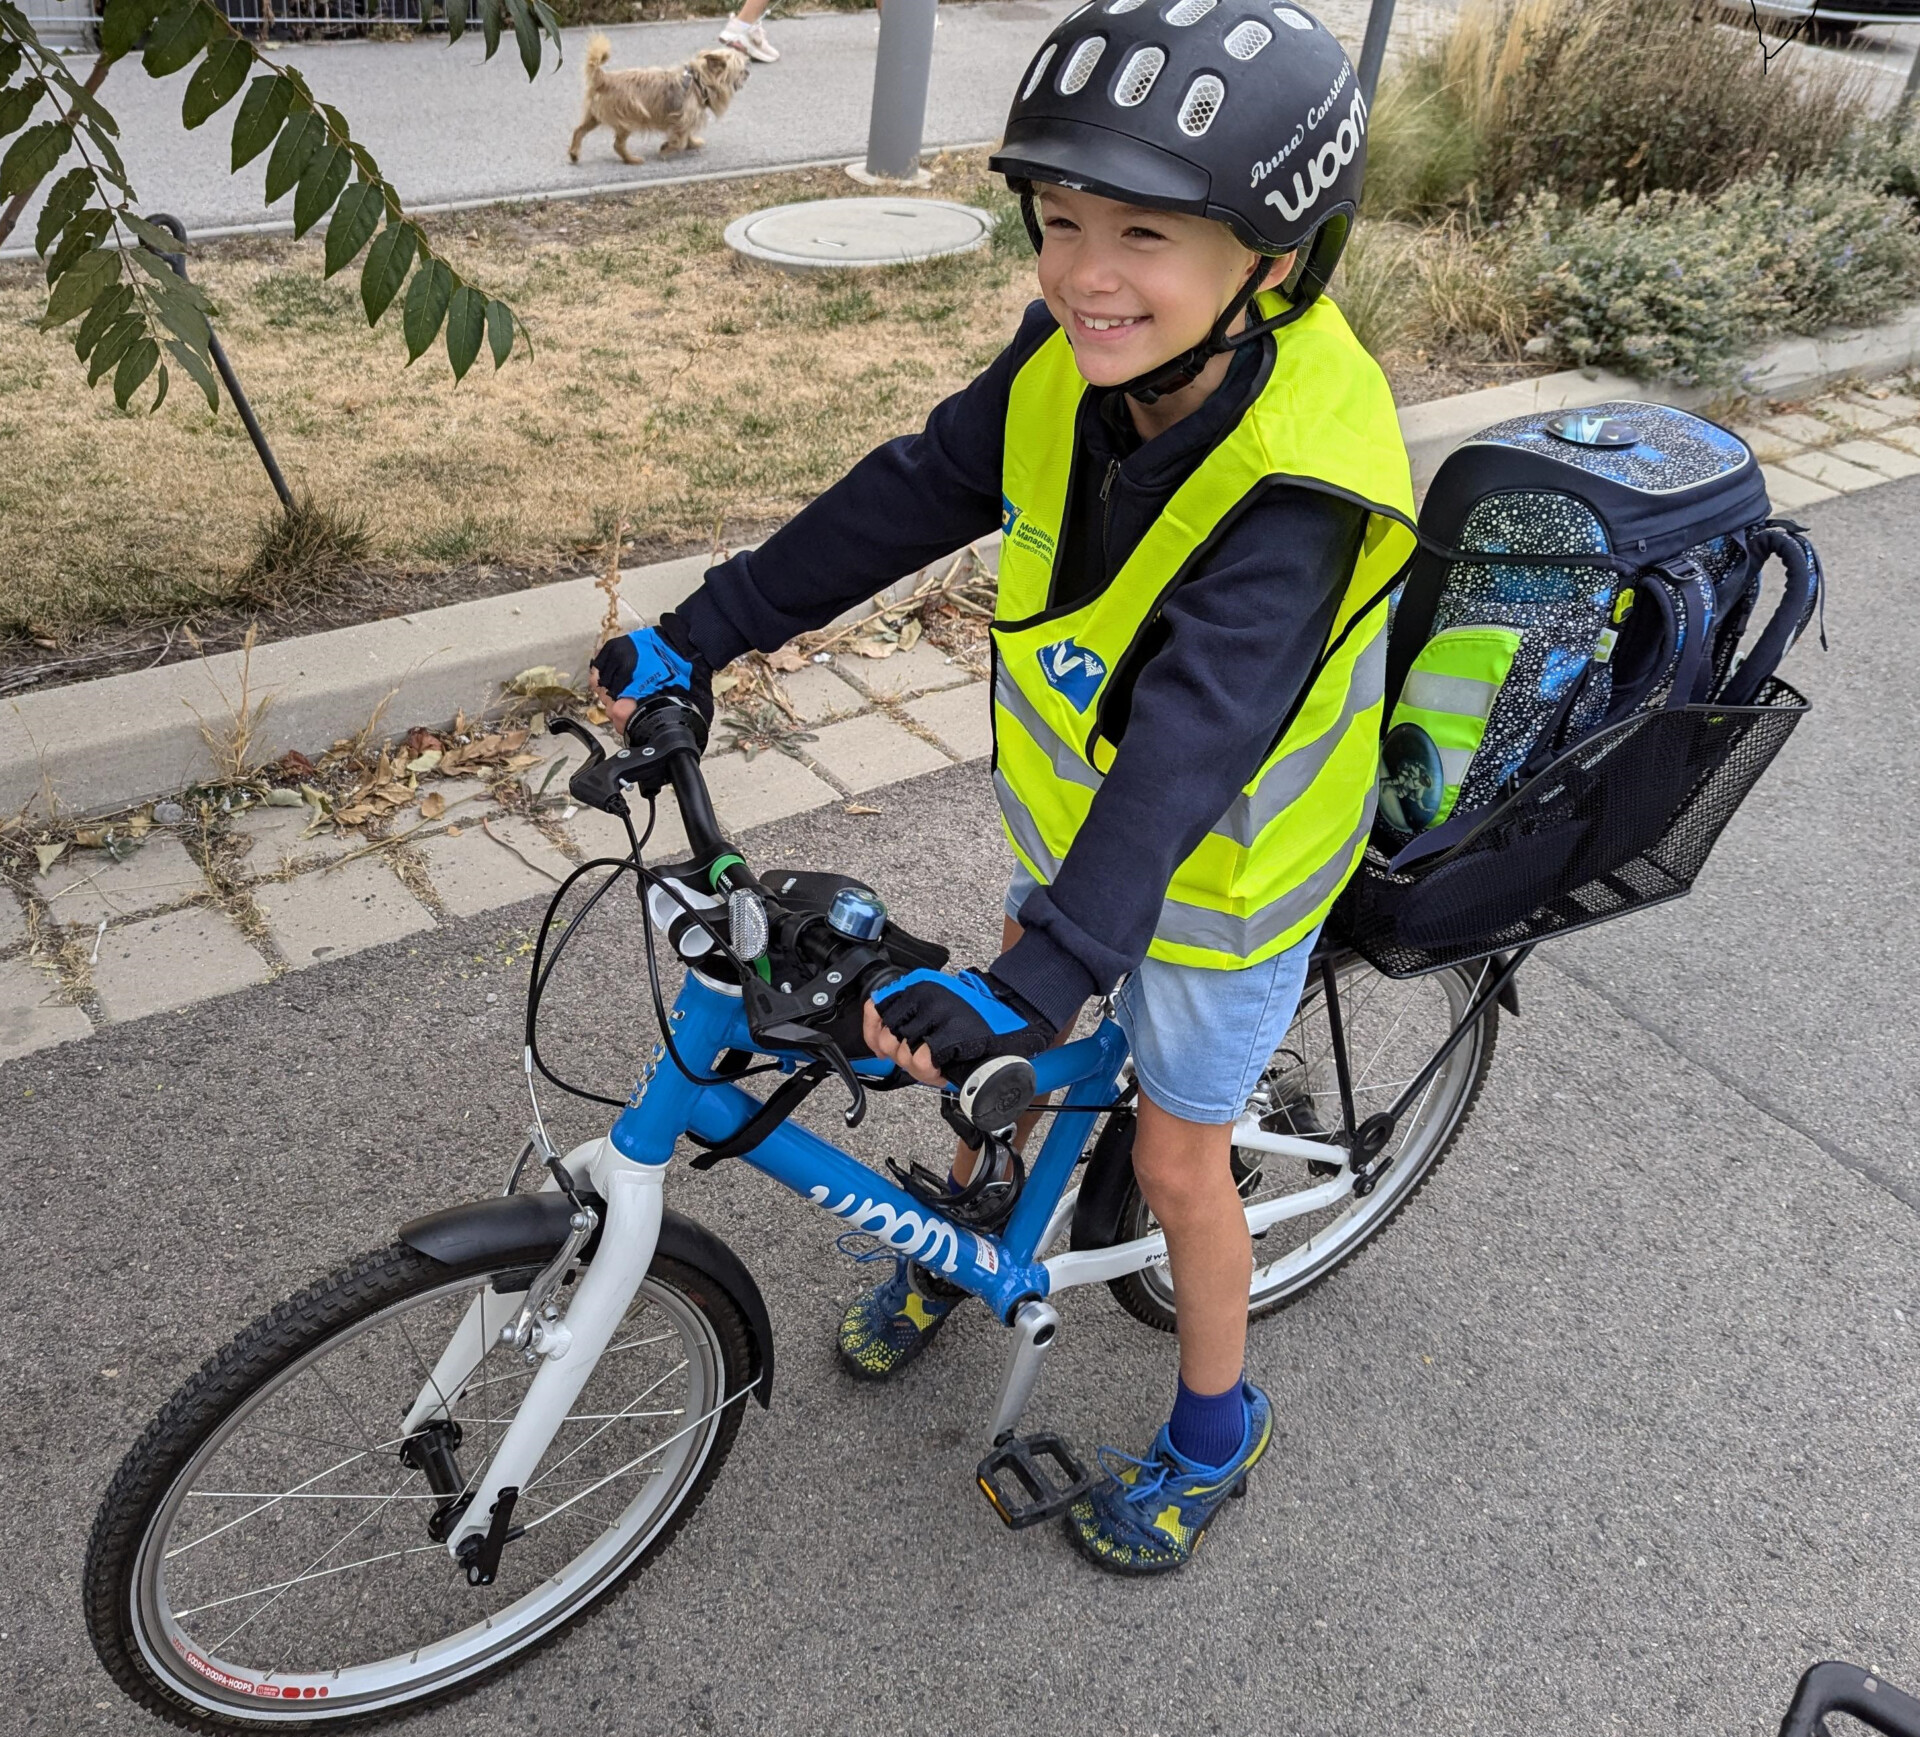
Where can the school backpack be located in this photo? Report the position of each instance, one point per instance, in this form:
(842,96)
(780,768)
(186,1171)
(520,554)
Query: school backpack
(1569,661)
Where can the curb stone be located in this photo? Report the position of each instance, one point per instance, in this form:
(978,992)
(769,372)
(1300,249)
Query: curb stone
(314,908)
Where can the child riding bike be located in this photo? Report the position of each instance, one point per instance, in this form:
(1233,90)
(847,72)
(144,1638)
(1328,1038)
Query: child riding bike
(1203,497)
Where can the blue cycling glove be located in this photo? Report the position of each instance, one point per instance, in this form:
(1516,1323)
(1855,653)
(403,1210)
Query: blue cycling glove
(647,661)
(962,1017)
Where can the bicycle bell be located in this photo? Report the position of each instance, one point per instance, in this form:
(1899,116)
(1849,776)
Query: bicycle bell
(857,914)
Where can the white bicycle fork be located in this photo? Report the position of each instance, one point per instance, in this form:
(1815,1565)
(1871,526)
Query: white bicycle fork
(633,1194)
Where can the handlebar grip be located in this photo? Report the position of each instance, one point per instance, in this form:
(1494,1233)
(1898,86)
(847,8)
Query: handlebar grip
(1835,1687)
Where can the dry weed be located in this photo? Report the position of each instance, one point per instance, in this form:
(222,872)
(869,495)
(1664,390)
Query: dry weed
(231,741)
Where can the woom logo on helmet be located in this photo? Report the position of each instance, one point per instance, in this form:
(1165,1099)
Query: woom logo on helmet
(1322,169)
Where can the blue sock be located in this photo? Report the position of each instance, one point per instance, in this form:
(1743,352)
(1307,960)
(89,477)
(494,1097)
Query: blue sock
(1208,1428)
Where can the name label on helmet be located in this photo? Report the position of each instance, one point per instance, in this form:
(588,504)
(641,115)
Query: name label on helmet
(1323,168)
(1315,116)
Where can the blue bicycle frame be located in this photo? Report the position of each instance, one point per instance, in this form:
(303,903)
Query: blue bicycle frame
(1002,1270)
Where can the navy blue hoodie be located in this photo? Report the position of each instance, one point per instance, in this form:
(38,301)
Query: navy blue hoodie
(1235,643)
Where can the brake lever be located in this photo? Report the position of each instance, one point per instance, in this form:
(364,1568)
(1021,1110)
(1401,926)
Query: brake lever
(573,727)
(772,1026)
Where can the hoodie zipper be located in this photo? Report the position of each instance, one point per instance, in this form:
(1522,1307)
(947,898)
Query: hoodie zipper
(1106,507)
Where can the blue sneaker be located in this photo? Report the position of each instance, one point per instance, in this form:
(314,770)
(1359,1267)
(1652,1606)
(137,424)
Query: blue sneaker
(1150,1515)
(885,1328)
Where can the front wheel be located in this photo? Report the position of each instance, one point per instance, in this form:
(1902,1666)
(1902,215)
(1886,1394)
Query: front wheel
(1393,1027)
(269,1554)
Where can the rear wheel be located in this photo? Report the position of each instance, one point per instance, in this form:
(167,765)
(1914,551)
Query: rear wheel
(1393,1027)
(267,1555)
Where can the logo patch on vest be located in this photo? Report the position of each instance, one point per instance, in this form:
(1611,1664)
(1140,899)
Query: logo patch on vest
(1023,533)
(1073,671)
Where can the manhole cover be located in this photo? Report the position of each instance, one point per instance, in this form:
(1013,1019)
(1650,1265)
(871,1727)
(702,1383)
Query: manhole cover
(825,233)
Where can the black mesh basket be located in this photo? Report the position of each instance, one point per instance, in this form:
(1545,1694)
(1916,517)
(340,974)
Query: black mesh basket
(1622,821)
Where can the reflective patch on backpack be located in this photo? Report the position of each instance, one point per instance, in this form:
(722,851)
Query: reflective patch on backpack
(1443,708)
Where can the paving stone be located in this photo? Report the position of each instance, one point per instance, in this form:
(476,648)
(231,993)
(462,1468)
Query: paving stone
(277,841)
(961,717)
(87,885)
(1877,455)
(1788,492)
(1906,438)
(1896,404)
(1865,418)
(864,753)
(770,786)
(483,868)
(817,693)
(466,798)
(158,963)
(1801,430)
(337,911)
(1832,473)
(13,921)
(597,834)
(918,670)
(33,1014)
(1768,448)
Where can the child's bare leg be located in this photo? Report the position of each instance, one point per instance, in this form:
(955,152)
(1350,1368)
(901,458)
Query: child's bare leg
(1186,1175)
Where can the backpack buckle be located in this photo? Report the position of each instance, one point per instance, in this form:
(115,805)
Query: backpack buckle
(1038,1492)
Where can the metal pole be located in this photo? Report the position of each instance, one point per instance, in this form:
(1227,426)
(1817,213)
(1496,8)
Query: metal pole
(255,433)
(900,77)
(1373,51)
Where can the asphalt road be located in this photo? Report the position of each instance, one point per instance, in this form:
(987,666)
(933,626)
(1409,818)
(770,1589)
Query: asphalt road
(1613,1430)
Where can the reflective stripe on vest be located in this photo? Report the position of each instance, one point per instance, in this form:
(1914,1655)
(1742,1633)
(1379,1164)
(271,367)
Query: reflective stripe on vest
(1272,864)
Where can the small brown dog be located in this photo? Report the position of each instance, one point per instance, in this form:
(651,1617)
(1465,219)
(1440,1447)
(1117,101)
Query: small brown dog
(657,99)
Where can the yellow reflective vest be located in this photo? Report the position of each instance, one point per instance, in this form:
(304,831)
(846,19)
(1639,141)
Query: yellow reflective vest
(1274,863)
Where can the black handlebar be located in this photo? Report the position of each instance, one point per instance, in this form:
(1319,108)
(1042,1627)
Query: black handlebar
(1833,1687)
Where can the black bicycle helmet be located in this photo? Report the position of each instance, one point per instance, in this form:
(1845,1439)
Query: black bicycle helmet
(1249,114)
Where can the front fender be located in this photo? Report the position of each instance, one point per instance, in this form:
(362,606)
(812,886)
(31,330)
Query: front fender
(531,1228)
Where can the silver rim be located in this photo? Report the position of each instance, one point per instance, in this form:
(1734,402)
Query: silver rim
(1393,1027)
(288,1573)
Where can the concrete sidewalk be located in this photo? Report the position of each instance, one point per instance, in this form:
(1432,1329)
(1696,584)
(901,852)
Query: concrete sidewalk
(448,126)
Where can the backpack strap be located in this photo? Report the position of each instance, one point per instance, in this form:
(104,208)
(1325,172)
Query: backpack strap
(1694,597)
(1803,594)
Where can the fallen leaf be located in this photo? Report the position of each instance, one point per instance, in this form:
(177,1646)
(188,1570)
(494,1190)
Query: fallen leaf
(419,740)
(522,760)
(49,854)
(724,684)
(875,647)
(139,825)
(910,634)
(281,798)
(295,764)
(788,659)
(859,808)
(424,762)
(596,714)
(93,837)
(432,805)
(453,832)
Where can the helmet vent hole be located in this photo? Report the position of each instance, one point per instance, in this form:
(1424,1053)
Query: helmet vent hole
(1294,20)
(1116,7)
(1137,76)
(1203,100)
(1183,12)
(1080,65)
(1039,71)
(1246,40)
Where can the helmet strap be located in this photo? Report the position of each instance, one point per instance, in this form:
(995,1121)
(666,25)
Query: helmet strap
(1183,370)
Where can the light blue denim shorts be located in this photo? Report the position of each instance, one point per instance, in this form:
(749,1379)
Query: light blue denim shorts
(1201,1038)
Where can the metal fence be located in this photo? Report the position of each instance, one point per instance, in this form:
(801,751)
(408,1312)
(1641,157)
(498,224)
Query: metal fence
(71,23)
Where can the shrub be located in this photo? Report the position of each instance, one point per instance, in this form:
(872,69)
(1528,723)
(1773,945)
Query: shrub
(1581,96)
(300,553)
(1444,286)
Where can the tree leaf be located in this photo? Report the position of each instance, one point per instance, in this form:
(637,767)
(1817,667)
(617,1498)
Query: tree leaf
(80,286)
(18,102)
(298,146)
(527,33)
(126,21)
(320,186)
(183,312)
(353,224)
(100,316)
(427,298)
(490,24)
(160,397)
(466,321)
(31,157)
(85,231)
(199,369)
(10,58)
(114,343)
(177,36)
(160,240)
(456,14)
(134,367)
(268,101)
(217,81)
(386,269)
(499,331)
(66,196)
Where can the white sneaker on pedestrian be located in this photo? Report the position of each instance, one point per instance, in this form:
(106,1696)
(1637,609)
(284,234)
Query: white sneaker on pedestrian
(750,39)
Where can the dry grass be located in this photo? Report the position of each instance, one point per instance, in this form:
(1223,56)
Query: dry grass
(671,384)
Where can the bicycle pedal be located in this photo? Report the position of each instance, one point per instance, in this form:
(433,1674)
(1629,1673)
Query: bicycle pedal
(1038,1491)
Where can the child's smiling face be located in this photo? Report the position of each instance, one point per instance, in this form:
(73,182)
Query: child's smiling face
(1132,287)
